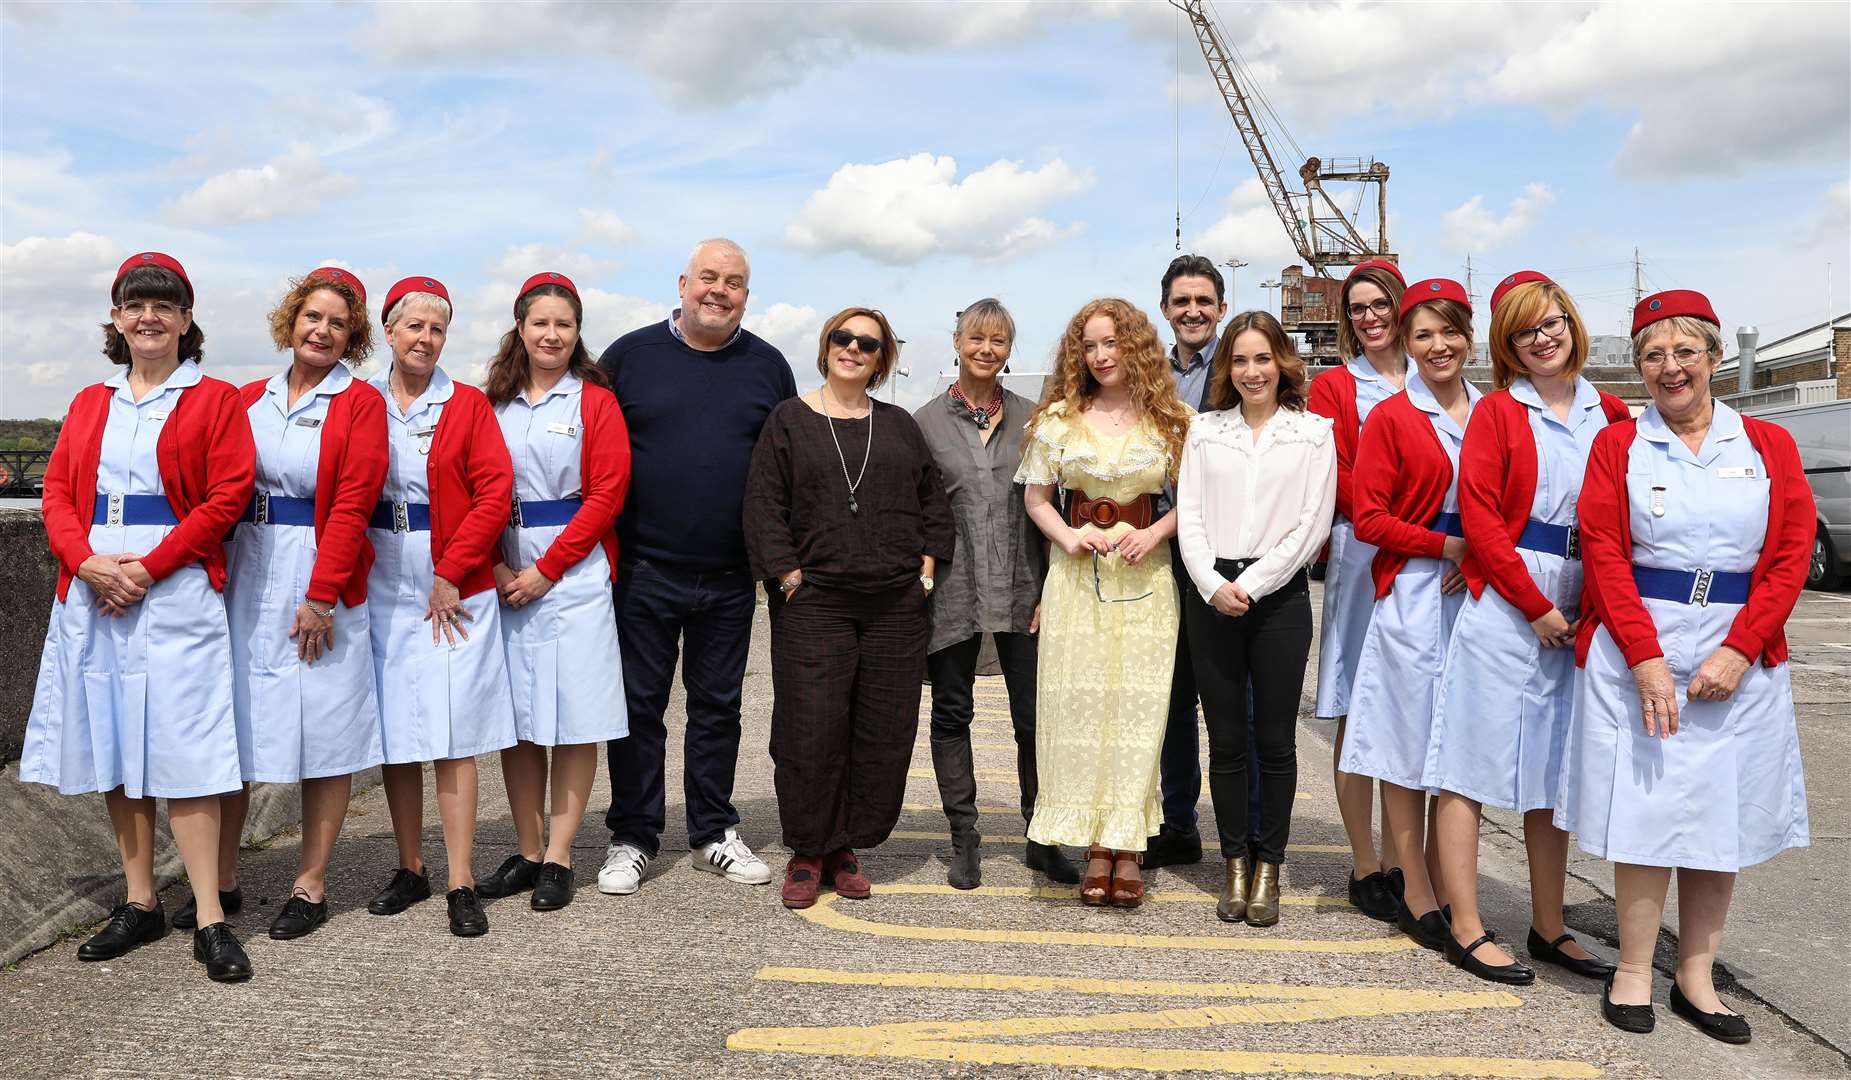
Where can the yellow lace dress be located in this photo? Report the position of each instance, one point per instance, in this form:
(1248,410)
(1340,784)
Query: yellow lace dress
(1103,688)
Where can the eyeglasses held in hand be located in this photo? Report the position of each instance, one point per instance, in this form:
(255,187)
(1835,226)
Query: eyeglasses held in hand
(1100,594)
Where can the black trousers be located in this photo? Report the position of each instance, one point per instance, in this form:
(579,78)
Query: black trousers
(1263,654)
(953,671)
(1179,764)
(847,669)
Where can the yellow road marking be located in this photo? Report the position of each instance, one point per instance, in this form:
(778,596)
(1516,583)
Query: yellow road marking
(1010,810)
(909,834)
(1069,892)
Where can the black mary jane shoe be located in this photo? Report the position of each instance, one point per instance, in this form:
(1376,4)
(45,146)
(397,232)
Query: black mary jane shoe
(299,918)
(1550,952)
(467,919)
(217,947)
(515,874)
(405,889)
(187,918)
(1053,862)
(1638,1019)
(128,926)
(1460,956)
(1430,931)
(1723,1027)
(554,889)
(1371,896)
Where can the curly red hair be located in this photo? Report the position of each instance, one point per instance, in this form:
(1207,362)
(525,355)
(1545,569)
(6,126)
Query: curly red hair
(1147,374)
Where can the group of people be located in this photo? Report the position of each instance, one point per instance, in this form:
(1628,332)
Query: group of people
(1532,600)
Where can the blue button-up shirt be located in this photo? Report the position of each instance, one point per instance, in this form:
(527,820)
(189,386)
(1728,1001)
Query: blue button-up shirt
(1192,377)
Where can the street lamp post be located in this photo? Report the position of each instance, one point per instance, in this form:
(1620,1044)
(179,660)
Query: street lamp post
(1233,266)
(1272,285)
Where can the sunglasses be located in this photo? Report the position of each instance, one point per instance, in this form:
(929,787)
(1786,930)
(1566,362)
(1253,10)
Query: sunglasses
(841,339)
(1100,594)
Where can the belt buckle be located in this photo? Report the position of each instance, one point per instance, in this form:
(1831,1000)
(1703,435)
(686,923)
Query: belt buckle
(401,517)
(1700,589)
(515,518)
(1574,541)
(114,517)
(262,512)
(1103,514)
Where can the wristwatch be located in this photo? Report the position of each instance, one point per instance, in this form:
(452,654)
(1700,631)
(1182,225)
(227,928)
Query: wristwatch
(927,583)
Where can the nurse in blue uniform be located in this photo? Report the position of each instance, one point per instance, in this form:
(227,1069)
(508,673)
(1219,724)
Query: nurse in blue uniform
(558,556)
(1697,528)
(134,697)
(437,652)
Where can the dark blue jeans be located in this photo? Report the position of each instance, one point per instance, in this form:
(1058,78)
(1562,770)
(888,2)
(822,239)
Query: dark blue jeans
(1180,764)
(705,617)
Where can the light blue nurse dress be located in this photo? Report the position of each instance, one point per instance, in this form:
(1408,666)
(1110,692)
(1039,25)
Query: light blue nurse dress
(296,720)
(1398,671)
(142,702)
(563,659)
(436,701)
(1726,791)
(1504,700)
(1349,591)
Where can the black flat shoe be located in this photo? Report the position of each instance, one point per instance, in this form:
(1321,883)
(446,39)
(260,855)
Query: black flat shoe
(298,918)
(128,926)
(405,889)
(1397,882)
(1173,847)
(1460,956)
(1430,931)
(1053,862)
(1372,897)
(516,874)
(187,918)
(1723,1027)
(1637,1019)
(217,947)
(467,919)
(1550,952)
(554,889)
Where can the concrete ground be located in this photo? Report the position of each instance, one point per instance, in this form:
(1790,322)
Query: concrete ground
(694,975)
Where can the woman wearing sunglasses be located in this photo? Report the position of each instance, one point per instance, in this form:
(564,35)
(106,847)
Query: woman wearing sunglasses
(1109,431)
(846,522)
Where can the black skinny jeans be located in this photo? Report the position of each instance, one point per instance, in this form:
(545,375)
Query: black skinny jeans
(1265,650)
(953,671)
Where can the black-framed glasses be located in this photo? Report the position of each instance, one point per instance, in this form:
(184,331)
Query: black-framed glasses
(1100,593)
(1379,307)
(1554,326)
(841,339)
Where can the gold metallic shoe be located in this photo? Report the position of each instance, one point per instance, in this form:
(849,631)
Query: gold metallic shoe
(1232,907)
(1263,903)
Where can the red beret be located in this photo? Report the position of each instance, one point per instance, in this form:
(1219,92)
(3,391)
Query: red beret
(1438,288)
(407,286)
(151,258)
(335,273)
(545,277)
(1377,264)
(1669,305)
(1514,280)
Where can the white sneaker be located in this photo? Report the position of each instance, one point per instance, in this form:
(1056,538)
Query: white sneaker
(730,856)
(623,869)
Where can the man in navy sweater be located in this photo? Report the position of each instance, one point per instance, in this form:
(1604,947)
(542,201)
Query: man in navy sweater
(694,391)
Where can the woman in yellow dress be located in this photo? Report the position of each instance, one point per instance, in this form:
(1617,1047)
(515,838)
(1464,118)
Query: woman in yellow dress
(1109,432)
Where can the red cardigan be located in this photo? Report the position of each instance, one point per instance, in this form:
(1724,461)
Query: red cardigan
(472,490)
(1401,484)
(348,480)
(604,480)
(1611,597)
(207,465)
(1497,486)
(1333,394)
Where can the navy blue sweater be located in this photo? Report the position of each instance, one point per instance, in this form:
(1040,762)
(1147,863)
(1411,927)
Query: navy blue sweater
(694,418)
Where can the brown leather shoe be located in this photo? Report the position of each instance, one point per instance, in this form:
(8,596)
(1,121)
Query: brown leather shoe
(802,875)
(1232,907)
(1096,888)
(1126,892)
(1263,902)
(843,871)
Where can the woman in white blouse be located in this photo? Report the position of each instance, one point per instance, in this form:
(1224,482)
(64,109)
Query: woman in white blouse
(1253,505)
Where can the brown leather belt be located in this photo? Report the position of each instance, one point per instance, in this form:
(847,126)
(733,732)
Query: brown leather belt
(1105,513)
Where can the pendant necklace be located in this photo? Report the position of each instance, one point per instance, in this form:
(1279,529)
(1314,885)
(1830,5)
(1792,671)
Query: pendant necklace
(853,506)
(981,415)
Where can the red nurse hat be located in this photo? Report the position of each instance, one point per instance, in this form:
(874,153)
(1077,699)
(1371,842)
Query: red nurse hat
(335,273)
(415,283)
(1433,289)
(1376,264)
(1519,278)
(1671,304)
(151,258)
(545,277)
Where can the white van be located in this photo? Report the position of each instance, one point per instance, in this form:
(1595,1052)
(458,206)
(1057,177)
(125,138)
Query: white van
(1823,432)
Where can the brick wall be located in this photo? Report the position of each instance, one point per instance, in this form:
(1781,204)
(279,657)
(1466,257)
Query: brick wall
(1841,359)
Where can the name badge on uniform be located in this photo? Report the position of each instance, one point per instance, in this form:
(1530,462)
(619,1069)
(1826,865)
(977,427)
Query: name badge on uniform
(308,421)
(563,429)
(424,439)
(157,416)
(1743,472)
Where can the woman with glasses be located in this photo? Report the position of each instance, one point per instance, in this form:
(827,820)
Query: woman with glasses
(1370,335)
(1407,505)
(1697,527)
(1108,433)
(1253,506)
(134,697)
(846,522)
(1502,707)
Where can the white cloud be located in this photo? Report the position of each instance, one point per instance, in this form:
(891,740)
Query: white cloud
(605,227)
(78,266)
(341,119)
(1470,228)
(791,328)
(292,185)
(523,261)
(908,209)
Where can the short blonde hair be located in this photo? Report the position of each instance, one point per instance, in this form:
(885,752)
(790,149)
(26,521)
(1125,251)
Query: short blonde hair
(1679,324)
(1522,308)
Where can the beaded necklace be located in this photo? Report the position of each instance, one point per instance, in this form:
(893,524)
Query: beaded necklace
(981,415)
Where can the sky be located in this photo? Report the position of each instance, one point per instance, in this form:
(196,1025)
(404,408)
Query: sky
(908,156)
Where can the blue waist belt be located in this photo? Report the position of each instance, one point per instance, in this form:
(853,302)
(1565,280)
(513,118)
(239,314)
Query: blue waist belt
(1700,587)
(401,517)
(543,513)
(268,509)
(1449,524)
(1562,540)
(133,510)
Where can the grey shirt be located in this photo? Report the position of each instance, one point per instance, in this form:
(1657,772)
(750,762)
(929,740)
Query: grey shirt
(995,582)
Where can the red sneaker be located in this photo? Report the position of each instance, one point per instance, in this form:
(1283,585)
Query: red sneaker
(842,870)
(802,875)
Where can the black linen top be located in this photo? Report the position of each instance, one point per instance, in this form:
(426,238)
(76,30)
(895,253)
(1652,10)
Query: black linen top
(796,505)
